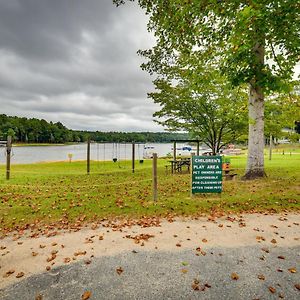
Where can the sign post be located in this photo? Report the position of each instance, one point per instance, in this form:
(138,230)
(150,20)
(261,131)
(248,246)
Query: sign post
(206,174)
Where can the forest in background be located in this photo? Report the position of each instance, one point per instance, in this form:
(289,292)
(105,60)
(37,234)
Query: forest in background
(25,130)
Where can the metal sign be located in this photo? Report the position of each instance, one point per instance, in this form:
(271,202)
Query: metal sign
(206,174)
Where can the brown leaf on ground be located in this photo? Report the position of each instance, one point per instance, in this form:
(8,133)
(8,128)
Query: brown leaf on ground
(265,250)
(86,295)
(34,253)
(260,238)
(195,285)
(207,285)
(261,277)
(279,270)
(178,245)
(54,244)
(42,246)
(204,240)
(67,260)
(292,270)
(88,261)
(281,257)
(48,268)
(39,297)
(20,274)
(119,270)
(272,290)
(8,273)
(80,253)
(184,271)
(52,257)
(101,237)
(297,286)
(234,276)
(273,241)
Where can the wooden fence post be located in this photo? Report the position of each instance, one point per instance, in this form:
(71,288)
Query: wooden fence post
(8,156)
(88,155)
(133,156)
(154,172)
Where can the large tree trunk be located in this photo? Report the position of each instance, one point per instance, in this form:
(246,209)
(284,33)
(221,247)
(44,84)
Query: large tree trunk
(256,139)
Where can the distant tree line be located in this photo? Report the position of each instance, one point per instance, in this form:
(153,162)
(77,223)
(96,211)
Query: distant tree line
(24,130)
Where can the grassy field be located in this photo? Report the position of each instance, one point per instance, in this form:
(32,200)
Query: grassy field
(62,193)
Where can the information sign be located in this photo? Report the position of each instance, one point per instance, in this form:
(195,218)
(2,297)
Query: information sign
(206,174)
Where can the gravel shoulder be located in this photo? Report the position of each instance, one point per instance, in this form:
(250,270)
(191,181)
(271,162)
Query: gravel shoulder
(171,261)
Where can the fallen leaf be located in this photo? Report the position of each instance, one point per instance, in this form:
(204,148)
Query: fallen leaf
(184,271)
(207,285)
(204,240)
(48,268)
(20,274)
(42,246)
(34,253)
(8,273)
(234,276)
(195,285)
(67,260)
(281,257)
(39,297)
(120,270)
(86,295)
(297,286)
(272,290)
(265,250)
(273,241)
(292,270)
(261,277)
(80,253)
(178,245)
(52,257)
(101,237)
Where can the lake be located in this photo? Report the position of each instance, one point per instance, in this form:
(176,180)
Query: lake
(99,152)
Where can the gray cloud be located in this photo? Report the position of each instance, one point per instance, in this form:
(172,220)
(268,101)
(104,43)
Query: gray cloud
(75,61)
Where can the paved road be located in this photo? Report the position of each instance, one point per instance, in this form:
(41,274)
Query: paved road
(170,275)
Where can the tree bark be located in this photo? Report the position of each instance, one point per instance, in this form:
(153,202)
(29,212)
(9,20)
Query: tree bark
(256,139)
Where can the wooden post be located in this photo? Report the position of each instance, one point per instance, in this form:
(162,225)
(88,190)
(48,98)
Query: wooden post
(198,148)
(174,151)
(133,156)
(154,173)
(270,148)
(8,156)
(88,155)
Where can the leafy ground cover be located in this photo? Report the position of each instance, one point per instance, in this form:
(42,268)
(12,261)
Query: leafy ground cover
(62,192)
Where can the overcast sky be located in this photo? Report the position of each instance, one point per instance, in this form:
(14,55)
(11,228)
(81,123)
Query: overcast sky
(75,61)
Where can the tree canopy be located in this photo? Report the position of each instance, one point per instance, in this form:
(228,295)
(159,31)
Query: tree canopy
(253,42)
(206,106)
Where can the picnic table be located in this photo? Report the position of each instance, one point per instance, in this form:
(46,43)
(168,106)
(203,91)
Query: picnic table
(176,165)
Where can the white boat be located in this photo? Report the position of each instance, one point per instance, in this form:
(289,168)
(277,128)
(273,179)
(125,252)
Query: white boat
(148,151)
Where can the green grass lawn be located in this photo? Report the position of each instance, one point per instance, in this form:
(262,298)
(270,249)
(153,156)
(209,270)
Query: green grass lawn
(62,192)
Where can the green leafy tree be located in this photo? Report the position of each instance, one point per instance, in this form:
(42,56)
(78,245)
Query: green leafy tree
(254,42)
(205,106)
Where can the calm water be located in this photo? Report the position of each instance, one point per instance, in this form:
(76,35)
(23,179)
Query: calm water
(107,151)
